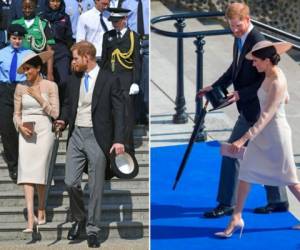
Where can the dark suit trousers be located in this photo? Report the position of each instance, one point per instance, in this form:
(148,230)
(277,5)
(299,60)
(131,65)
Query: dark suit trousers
(228,182)
(8,131)
(129,119)
(82,149)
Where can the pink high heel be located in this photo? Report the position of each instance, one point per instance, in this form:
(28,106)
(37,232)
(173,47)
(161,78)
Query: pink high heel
(239,226)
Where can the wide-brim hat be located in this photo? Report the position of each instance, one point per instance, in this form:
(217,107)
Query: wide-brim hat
(45,56)
(280,47)
(217,98)
(124,165)
(117,13)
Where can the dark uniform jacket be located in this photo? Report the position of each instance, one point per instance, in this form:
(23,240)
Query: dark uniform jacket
(110,43)
(245,78)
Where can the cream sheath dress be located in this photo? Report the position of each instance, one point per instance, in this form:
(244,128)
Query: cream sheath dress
(269,157)
(35,153)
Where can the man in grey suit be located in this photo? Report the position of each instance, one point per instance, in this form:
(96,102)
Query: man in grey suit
(93,108)
(246,81)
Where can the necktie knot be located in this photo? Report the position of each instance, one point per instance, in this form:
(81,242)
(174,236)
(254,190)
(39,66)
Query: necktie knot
(86,82)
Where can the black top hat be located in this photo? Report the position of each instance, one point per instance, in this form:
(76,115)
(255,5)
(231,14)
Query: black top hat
(117,13)
(217,97)
(16,30)
(124,165)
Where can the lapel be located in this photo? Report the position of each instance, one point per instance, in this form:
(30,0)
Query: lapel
(99,84)
(124,37)
(76,88)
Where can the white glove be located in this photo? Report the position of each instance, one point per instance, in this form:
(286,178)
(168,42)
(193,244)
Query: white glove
(134,89)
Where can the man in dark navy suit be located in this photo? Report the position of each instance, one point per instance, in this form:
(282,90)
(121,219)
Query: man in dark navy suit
(246,80)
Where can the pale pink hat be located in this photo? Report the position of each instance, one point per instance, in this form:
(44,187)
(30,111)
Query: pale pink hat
(281,47)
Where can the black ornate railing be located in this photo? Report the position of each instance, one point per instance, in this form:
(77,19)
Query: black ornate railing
(181,116)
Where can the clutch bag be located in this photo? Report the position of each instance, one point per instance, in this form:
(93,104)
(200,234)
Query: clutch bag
(226,152)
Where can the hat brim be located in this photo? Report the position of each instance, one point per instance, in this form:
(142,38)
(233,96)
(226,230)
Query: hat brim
(124,165)
(281,47)
(115,18)
(45,56)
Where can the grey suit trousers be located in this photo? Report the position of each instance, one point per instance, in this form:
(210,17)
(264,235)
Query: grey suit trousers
(227,191)
(82,149)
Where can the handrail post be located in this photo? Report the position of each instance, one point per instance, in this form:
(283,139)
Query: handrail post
(199,42)
(180,116)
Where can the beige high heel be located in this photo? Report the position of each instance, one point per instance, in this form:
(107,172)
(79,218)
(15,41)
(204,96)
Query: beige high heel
(31,230)
(239,226)
(44,221)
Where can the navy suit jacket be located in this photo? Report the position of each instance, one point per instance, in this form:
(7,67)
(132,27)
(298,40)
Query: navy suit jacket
(245,78)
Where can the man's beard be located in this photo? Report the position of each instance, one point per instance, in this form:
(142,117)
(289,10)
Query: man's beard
(79,68)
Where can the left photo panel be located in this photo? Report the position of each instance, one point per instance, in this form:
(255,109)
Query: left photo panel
(74,124)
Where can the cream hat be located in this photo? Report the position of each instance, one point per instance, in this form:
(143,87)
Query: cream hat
(45,56)
(281,47)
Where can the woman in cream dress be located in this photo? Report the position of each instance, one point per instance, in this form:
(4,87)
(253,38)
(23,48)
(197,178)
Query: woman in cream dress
(269,157)
(36,103)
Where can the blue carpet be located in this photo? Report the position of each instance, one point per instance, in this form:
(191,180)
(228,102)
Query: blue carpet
(176,221)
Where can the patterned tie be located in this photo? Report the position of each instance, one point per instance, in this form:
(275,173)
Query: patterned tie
(140,19)
(13,66)
(239,44)
(86,82)
(103,23)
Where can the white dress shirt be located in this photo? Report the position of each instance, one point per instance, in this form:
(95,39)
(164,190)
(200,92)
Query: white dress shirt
(89,28)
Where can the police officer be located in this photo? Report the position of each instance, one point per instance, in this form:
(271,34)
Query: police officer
(10,59)
(138,20)
(38,37)
(121,57)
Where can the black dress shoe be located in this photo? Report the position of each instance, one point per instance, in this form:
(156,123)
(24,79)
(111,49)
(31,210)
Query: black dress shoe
(272,208)
(219,211)
(14,176)
(93,241)
(76,229)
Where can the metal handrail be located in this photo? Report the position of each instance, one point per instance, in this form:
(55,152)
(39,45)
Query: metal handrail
(188,15)
(181,116)
(198,14)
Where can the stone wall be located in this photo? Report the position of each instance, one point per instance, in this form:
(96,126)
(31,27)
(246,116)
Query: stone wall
(283,14)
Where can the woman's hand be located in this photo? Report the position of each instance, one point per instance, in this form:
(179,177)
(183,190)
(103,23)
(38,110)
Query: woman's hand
(236,146)
(26,132)
(35,92)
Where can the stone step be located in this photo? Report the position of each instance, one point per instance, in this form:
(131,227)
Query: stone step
(140,144)
(59,168)
(141,156)
(110,212)
(126,229)
(61,198)
(139,181)
(64,244)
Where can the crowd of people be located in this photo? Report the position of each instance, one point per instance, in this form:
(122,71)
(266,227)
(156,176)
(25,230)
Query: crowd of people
(76,63)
